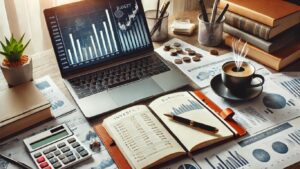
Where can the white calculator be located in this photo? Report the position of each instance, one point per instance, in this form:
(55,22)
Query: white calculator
(56,148)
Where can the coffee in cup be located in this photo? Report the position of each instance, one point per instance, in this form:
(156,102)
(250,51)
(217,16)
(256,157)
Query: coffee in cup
(237,79)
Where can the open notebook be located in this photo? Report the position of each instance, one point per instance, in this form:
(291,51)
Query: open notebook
(146,137)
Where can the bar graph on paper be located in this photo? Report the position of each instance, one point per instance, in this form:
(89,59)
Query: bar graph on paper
(183,108)
(89,37)
(232,160)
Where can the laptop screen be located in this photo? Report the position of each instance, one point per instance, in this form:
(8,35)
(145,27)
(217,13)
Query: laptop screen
(91,32)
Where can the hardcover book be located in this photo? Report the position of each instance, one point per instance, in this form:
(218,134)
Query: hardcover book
(255,28)
(271,13)
(270,46)
(146,137)
(277,60)
(21,107)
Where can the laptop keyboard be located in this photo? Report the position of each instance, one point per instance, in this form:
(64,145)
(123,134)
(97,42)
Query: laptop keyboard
(99,81)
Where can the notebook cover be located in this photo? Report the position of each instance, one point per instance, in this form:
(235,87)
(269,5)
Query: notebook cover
(121,161)
(22,100)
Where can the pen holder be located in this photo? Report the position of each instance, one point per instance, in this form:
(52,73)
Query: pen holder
(161,33)
(210,34)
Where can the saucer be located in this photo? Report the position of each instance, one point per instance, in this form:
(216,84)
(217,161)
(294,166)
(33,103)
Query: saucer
(221,90)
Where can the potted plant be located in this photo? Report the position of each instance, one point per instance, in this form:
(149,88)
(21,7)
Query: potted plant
(16,67)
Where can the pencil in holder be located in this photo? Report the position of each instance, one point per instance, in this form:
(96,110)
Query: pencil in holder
(161,32)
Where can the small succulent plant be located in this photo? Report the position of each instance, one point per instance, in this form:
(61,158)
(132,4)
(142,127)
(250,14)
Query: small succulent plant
(13,49)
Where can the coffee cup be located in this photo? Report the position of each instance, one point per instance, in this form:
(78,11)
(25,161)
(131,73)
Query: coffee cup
(240,79)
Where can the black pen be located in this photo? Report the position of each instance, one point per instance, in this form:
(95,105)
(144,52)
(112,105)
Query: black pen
(159,21)
(222,14)
(18,163)
(193,123)
(203,10)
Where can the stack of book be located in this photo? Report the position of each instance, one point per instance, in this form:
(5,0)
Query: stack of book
(272,28)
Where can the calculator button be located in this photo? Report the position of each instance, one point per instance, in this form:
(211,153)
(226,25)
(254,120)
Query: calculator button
(53,148)
(62,156)
(36,155)
(79,149)
(76,144)
(65,161)
(65,149)
(50,155)
(60,145)
(46,151)
(44,164)
(53,160)
(40,159)
(48,167)
(83,153)
(72,158)
(71,140)
(57,165)
(69,153)
(57,152)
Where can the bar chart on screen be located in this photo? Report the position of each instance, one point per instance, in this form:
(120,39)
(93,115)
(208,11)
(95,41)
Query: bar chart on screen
(89,37)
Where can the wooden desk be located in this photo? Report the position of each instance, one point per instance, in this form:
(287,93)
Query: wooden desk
(44,63)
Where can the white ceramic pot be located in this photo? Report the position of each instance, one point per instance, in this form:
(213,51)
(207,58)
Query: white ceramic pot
(18,75)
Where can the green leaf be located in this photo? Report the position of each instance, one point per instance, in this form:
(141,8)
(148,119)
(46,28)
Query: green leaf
(26,45)
(21,40)
(7,41)
(5,54)
(3,47)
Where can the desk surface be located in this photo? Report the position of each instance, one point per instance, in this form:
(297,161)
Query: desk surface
(44,63)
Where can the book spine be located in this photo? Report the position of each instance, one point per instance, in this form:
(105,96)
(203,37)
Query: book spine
(258,55)
(248,25)
(248,13)
(270,46)
(264,45)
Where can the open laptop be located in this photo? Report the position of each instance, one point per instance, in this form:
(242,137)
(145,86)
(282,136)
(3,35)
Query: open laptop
(105,54)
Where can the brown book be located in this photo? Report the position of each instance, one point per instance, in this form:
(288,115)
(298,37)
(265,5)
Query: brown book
(21,107)
(271,13)
(277,60)
(253,27)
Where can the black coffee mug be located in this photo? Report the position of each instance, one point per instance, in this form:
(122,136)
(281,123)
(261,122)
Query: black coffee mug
(238,80)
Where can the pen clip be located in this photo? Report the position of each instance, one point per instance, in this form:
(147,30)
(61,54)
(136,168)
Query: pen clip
(227,113)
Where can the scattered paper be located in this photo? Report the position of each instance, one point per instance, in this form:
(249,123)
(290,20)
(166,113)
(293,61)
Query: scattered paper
(59,103)
(289,81)
(275,148)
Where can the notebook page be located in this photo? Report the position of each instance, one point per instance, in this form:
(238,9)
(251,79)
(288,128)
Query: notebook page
(185,105)
(141,138)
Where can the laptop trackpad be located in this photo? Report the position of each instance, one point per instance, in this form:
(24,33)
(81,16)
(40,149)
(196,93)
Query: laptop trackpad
(127,94)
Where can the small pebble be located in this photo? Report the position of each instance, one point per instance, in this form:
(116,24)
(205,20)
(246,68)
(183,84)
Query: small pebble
(178,61)
(188,49)
(179,50)
(176,44)
(214,52)
(191,52)
(196,59)
(167,47)
(186,59)
(199,55)
(173,52)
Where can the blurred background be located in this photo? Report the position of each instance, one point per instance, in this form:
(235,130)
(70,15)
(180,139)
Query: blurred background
(26,16)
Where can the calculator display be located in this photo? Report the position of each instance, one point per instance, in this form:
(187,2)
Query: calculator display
(49,139)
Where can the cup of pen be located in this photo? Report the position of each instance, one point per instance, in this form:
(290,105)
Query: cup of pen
(161,32)
(210,34)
